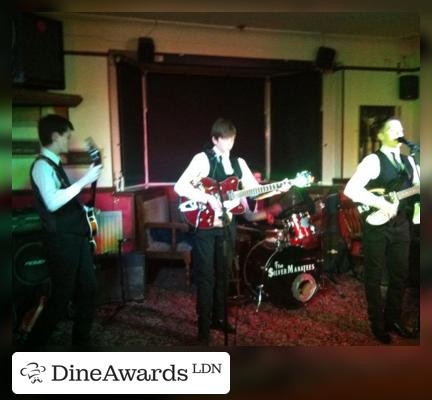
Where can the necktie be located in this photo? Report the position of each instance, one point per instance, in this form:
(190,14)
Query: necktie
(226,164)
(63,177)
(398,165)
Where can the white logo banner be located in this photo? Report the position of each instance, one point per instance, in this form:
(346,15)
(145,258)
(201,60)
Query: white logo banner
(121,372)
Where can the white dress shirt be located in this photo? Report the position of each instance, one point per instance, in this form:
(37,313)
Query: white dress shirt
(199,168)
(368,169)
(45,178)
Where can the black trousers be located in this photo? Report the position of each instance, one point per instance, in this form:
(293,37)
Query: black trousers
(73,279)
(211,273)
(386,246)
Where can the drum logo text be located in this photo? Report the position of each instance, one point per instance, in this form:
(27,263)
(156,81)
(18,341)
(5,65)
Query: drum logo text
(279,269)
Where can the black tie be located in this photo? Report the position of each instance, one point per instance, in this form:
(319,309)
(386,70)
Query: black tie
(63,176)
(398,165)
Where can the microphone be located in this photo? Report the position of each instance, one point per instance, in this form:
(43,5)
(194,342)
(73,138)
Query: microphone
(411,145)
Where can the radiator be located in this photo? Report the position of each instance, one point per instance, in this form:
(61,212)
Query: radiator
(110,230)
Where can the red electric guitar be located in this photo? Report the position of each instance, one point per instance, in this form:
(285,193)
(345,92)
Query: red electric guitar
(202,216)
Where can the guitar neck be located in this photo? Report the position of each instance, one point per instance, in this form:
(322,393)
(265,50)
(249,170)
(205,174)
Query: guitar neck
(92,201)
(258,190)
(403,194)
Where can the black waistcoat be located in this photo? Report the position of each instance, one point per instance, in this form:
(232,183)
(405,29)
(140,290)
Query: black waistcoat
(70,218)
(217,171)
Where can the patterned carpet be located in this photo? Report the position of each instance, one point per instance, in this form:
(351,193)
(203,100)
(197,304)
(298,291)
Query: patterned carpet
(335,316)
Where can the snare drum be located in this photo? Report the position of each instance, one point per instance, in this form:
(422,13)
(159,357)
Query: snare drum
(288,276)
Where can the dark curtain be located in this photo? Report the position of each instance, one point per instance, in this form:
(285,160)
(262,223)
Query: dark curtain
(296,125)
(130,104)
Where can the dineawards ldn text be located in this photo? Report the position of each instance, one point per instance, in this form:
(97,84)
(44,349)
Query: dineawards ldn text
(113,374)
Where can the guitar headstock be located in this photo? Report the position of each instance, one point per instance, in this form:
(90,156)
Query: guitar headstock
(93,151)
(302,179)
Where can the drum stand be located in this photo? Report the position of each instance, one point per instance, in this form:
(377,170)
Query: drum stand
(259,297)
(226,240)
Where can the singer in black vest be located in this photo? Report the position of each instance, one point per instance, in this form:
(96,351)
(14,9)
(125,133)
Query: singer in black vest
(211,268)
(386,245)
(66,235)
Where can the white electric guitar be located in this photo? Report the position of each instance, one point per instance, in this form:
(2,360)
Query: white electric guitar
(376,216)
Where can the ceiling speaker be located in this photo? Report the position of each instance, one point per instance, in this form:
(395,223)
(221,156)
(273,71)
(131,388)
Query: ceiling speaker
(325,58)
(408,87)
(146,50)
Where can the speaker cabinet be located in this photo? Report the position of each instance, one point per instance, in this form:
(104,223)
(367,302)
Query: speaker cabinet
(408,87)
(29,259)
(30,279)
(146,50)
(110,280)
(37,48)
(325,58)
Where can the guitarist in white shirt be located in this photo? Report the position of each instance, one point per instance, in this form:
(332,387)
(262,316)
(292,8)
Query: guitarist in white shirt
(208,244)
(66,235)
(387,244)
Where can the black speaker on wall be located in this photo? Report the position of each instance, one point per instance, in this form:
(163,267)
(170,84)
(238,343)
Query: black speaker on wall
(37,49)
(146,50)
(408,87)
(325,58)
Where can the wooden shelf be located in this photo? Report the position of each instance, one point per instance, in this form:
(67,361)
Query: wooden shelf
(32,97)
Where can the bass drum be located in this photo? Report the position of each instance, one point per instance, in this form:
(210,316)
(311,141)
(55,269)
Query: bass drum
(287,276)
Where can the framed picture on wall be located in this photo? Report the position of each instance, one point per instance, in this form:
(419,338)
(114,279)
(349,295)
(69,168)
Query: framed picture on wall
(369,119)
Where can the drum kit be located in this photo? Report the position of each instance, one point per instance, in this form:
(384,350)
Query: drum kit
(282,264)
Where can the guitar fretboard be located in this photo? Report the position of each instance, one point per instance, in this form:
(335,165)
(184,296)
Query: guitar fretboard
(255,191)
(403,194)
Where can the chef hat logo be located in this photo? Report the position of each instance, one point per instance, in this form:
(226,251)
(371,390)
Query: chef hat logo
(33,370)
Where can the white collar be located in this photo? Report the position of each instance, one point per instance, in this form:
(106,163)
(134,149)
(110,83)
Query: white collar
(388,150)
(219,154)
(51,155)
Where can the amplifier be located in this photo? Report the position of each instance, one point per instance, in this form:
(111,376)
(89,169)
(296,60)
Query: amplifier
(25,220)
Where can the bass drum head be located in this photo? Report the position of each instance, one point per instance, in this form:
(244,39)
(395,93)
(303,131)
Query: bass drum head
(288,277)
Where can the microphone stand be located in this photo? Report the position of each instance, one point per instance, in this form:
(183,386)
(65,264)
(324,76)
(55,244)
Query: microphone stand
(226,240)
(415,154)
(120,265)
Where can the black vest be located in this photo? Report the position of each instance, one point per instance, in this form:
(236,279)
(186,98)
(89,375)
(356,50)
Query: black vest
(393,180)
(217,171)
(70,218)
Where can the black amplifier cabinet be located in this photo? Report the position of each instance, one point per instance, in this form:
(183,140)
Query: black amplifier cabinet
(30,279)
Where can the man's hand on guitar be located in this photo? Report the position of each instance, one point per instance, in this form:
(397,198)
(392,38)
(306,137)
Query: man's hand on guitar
(286,185)
(92,174)
(214,203)
(390,209)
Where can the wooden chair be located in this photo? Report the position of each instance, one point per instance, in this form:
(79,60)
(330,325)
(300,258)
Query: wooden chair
(153,213)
